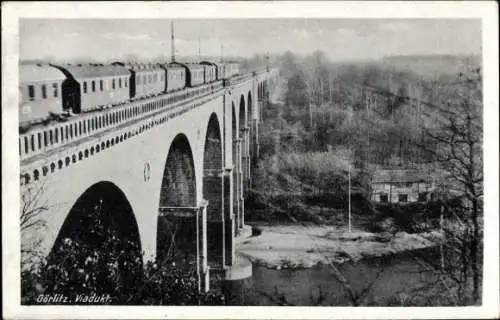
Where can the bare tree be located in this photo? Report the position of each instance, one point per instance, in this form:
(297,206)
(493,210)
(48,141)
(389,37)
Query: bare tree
(457,136)
(32,223)
(31,208)
(451,138)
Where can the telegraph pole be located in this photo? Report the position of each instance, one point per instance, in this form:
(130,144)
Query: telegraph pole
(349,175)
(267,62)
(368,101)
(222,53)
(310,115)
(199,49)
(172,41)
(349,197)
(330,87)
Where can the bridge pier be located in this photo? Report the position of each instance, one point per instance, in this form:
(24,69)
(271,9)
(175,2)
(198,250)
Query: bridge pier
(255,142)
(241,182)
(228,232)
(236,202)
(245,132)
(203,269)
(215,190)
(187,219)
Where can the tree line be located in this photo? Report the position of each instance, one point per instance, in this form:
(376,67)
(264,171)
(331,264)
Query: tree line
(372,115)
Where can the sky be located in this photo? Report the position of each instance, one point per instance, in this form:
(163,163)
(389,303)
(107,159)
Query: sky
(340,39)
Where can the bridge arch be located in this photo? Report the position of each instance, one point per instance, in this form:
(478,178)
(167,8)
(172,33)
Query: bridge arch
(250,109)
(242,113)
(98,247)
(212,187)
(178,190)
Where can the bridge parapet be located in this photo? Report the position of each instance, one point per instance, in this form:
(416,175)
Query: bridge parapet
(41,140)
(39,166)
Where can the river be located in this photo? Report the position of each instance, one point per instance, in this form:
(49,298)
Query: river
(325,266)
(388,281)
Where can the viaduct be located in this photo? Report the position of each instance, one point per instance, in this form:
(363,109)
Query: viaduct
(168,173)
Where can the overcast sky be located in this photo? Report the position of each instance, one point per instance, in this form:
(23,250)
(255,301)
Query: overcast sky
(340,39)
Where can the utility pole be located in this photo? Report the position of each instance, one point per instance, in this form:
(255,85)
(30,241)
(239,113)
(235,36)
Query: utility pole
(349,173)
(330,87)
(441,227)
(267,61)
(367,115)
(389,95)
(199,49)
(419,115)
(222,53)
(310,115)
(172,41)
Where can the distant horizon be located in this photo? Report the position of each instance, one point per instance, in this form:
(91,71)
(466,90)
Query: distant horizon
(236,59)
(340,39)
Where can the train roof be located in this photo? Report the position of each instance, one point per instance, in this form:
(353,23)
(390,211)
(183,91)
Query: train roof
(39,72)
(188,65)
(210,63)
(171,65)
(137,65)
(81,71)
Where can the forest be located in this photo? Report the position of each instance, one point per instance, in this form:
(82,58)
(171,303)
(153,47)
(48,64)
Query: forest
(329,123)
(364,116)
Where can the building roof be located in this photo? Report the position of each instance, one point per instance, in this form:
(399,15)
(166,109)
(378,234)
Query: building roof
(39,72)
(82,71)
(399,175)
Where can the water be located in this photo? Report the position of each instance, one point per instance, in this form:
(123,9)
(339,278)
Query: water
(397,280)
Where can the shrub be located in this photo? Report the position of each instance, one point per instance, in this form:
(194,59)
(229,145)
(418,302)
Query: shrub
(85,271)
(170,284)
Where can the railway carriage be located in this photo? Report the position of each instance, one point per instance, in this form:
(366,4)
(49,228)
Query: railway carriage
(145,79)
(233,69)
(220,71)
(94,86)
(48,90)
(195,73)
(39,92)
(176,76)
(230,70)
(210,71)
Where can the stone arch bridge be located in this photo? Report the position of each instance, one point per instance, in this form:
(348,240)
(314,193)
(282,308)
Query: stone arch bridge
(174,164)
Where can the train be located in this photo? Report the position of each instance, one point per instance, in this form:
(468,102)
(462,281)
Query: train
(54,91)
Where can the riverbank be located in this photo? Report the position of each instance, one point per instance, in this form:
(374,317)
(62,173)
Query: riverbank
(298,247)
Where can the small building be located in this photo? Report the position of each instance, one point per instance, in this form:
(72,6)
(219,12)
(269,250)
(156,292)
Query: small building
(401,186)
